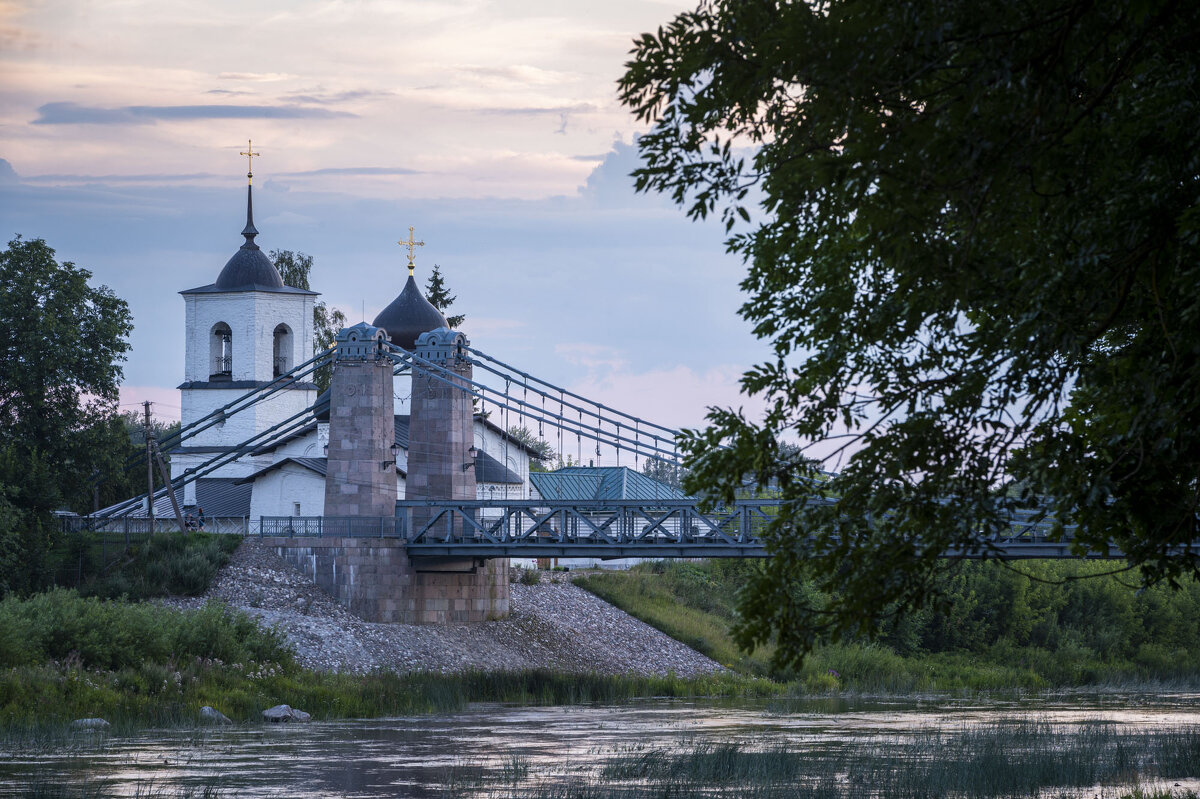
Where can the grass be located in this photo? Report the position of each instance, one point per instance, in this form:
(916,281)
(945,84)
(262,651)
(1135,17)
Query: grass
(696,603)
(667,601)
(1021,759)
(683,603)
(60,625)
(37,701)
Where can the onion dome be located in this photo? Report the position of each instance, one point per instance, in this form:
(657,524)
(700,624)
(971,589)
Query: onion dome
(249,269)
(409,316)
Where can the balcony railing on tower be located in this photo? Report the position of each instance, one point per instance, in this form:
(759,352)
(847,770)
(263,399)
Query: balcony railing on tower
(222,367)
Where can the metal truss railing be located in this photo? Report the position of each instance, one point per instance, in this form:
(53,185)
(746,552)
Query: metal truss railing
(613,529)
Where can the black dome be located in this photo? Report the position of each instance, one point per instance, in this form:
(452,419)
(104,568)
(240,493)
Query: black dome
(249,269)
(409,316)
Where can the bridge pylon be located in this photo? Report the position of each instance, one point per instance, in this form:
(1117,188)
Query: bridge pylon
(359,559)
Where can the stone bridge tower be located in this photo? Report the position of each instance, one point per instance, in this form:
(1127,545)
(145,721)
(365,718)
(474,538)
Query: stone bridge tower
(441,465)
(360,472)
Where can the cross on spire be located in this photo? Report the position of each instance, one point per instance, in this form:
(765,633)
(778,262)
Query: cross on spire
(410,243)
(249,161)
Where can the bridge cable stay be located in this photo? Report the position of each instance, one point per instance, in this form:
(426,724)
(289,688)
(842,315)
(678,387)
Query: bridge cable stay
(249,398)
(602,434)
(504,436)
(564,393)
(601,407)
(474,388)
(222,413)
(288,426)
(551,386)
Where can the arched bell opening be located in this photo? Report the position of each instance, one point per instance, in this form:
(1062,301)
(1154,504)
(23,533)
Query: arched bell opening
(221,352)
(283,350)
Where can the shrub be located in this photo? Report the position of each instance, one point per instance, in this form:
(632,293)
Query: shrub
(60,624)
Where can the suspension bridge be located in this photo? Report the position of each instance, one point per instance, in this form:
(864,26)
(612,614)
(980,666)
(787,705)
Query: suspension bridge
(649,526)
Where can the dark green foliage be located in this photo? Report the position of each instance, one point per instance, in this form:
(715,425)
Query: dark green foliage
(61,345)
(541,452)
(150,693)
(439,296)
(97,634)
(976,254)
(1052,623)
(126,475)
(165,564)
(294,268)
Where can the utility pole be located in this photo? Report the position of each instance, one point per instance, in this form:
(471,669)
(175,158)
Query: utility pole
(149,468)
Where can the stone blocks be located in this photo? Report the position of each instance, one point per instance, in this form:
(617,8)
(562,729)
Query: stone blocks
(376,581)
(361,434)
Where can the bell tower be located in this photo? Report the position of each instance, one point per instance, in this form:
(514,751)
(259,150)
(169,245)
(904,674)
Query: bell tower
(243,331)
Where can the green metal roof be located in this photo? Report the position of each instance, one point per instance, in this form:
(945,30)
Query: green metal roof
(575,483)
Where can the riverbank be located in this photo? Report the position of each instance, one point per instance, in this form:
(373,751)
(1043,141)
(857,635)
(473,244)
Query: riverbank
(553,625)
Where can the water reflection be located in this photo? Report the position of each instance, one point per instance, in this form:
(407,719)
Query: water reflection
(426,756)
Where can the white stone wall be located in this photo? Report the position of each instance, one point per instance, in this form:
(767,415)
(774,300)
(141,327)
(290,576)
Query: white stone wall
(307,446)
(276,493)
(252,316)
(196,403)
(515,458)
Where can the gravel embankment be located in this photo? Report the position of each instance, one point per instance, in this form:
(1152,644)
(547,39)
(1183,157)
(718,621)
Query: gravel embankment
(553,625)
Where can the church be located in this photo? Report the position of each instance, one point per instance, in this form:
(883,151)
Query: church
(243,332)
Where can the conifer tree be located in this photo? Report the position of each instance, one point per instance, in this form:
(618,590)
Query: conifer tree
(437,294)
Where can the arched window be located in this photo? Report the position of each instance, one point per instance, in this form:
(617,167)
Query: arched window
(221,352)
(283,350)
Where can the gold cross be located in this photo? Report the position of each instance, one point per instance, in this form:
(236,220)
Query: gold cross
(249,161)
(410,243)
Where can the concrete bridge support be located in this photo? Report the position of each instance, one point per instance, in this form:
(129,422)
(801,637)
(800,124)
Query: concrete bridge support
(374,577)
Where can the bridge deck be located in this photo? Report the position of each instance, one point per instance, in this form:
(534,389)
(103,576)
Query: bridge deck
(609,529)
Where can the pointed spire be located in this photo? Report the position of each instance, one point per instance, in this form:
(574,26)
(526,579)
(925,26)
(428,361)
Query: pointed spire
(250,231)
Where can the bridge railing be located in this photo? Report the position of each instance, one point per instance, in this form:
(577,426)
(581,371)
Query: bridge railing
(657,528)
(332,526)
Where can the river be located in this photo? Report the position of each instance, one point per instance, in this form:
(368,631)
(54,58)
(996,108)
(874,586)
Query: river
(493,750)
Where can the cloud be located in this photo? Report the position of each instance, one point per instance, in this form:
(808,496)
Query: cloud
(338,97)
(577,108)
(355,170)
(255,76)
(7,173)
(74,114)
(162,178)
(521,74)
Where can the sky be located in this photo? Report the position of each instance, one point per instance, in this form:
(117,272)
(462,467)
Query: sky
(493,128)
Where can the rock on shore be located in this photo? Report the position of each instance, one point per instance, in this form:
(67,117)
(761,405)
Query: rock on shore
(552,625)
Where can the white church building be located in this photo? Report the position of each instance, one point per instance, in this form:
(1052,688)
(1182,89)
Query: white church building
(243,332)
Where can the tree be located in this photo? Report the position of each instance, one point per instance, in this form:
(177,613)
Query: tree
(664,471)
(540,451)
(294,268)
(61,345)
(439,296)
(975,256)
